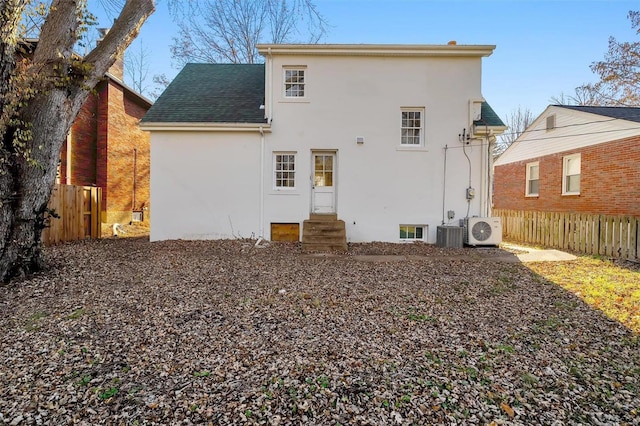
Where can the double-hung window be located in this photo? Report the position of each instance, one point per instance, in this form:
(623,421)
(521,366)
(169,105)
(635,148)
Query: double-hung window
(533,179)
(284,169)
(571,175)
(412,127)
(294,82)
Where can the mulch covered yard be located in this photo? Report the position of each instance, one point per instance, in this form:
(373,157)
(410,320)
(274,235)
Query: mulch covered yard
(123,331)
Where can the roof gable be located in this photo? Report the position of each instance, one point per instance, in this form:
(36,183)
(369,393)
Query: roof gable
(575,128)
(212,93)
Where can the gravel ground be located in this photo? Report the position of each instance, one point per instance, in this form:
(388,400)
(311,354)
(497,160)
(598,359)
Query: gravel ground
(123,331)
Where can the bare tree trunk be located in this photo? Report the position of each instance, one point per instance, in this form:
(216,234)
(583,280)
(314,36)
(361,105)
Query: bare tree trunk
(27,178)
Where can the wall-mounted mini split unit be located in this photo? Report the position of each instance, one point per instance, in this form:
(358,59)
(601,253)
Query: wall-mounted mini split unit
(482,231)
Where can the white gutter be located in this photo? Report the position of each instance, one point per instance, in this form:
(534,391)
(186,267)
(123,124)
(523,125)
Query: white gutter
(407,50)
(209,127)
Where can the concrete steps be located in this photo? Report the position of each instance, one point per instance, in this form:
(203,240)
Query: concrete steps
(324,233)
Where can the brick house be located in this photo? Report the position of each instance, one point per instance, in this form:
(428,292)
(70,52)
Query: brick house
(573,159)
(106,148)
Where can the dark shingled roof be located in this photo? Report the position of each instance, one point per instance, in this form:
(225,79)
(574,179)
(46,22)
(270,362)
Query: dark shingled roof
(488,117)
(212,93)
(623,113)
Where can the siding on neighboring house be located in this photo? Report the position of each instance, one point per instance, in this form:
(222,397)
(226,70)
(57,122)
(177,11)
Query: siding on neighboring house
(609,181)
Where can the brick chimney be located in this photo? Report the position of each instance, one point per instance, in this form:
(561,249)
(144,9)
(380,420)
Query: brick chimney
(117,69)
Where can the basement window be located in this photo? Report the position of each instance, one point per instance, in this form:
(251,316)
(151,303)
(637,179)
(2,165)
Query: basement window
(412,232)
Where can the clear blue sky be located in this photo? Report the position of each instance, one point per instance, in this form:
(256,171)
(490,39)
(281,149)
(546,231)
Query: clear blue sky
(543,48)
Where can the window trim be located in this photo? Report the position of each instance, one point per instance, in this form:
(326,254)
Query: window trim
(284,82)
(424,229)
(565,161)
(421,143)
(528,179)
(275,171)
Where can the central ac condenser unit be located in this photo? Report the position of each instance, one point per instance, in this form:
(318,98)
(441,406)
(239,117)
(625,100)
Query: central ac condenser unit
(482,231)
(449,236)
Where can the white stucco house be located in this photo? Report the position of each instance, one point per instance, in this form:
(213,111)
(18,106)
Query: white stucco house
(393,139)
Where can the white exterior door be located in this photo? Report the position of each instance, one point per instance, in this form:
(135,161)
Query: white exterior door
(323,186)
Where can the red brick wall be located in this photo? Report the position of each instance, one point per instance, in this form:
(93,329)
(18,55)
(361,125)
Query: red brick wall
(126,144)
(609,181)
(82,141)
(103,139)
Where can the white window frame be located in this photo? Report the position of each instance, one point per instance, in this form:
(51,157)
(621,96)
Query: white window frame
(565,166)
(301,69)
(527,190)
(420,128)
(407,228)
(276,170)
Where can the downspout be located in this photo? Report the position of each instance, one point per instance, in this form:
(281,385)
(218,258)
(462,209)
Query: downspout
(484,177)
(270,85)
(483,182)
(69,168)
(444,182)
(135,166)
(261,225)
(490,175)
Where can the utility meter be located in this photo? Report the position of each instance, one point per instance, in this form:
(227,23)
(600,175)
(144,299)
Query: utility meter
(470,193)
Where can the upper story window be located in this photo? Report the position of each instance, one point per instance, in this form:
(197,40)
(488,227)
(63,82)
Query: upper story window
(284,170)
(412,128)
(294,82)
(571,175)
(533,179)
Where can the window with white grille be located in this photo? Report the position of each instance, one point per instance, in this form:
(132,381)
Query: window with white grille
(294,82)
(412,127)
(284,170)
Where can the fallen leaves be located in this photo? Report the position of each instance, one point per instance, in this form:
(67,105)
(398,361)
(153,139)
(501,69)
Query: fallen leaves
(219,332)
(505,407)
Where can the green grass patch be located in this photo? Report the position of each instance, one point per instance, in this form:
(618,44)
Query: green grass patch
(77,313)
(108,393)
(601,283)
(33,322)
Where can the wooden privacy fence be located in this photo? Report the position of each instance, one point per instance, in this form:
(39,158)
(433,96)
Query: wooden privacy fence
(613,236)
(79,209)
